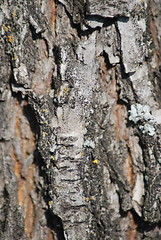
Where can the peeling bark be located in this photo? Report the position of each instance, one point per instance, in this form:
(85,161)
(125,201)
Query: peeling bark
(80,120)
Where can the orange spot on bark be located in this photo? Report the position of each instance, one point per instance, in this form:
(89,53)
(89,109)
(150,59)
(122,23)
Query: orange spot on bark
(10,39)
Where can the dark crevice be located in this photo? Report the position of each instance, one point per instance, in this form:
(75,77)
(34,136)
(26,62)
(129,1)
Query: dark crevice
(123,19)
(130,123)
(107,61)
(26,107)
(31,117)
(133,90)
(57,81)
(110,20)
(55,223)
(96,18)
(57,55)
(143,226)
(4,211)
(47,44)
(35,35)
(122,102)
(107,21)
(125,75)
(38,160)
(80,32)
(143,146)
(73,25)
(156,80)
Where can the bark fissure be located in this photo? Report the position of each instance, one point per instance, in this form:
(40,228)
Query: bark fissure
(81,140)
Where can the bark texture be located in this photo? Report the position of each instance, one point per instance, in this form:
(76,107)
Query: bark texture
(80,110)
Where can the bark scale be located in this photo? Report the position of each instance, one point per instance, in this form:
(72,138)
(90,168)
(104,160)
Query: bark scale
(80,120)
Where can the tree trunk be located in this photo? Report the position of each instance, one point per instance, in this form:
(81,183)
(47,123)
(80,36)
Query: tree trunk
(80,109)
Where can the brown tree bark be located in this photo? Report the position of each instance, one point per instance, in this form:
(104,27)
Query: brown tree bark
(80,111)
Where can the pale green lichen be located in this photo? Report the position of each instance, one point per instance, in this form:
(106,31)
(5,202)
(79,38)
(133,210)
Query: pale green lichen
(139,112)
(89,143)
(142,113)
(147,128)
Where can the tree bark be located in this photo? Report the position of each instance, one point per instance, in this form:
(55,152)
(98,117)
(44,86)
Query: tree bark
(80,125)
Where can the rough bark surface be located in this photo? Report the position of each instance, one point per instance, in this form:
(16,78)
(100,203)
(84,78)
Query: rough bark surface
(80,119)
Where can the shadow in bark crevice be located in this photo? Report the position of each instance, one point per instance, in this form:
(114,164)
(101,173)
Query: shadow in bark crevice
(106,60)
(55,223)
(35,35)
(144,227)
(4,211)
(31,117)
(106,21)
(39,162)
(28,112)
(126,76)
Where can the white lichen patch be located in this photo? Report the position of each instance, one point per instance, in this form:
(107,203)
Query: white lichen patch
(142,113)
(139,112)
(147,128)
(89,143)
